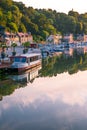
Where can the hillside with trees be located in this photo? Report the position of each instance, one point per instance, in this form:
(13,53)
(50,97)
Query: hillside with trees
(16,17)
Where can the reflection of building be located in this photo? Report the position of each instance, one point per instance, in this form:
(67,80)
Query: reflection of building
(68,38)
(27,76)
(69,52)
(80,50)
(81,37)
(85,49)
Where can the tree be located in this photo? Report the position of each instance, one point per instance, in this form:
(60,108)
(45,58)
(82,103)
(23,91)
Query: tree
(45,34)
(85,27)
(13,27)
(9,16)
(14,45)
(26,45)
(74,14)
(70,24)
(79,28)
(3,54)
(16,14)
(22,28)
(6,4)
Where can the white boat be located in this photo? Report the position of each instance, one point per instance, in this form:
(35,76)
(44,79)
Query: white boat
(27,76)
(25,62)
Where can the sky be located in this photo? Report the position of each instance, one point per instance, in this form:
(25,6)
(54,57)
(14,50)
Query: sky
(59,5)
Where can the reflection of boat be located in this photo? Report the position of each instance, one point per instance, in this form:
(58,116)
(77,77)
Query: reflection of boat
(27,76)
(25,61)
(45,53)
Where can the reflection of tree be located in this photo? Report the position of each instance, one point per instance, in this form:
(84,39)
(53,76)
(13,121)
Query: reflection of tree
(60,64)
(2,76)
(50,67)
(8,83)
(7,87)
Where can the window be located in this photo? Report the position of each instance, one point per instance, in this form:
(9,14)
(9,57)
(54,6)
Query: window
(20,59)
(33,58)
(23,59)
(17,59)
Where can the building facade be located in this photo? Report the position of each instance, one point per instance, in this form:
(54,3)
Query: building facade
(18,38)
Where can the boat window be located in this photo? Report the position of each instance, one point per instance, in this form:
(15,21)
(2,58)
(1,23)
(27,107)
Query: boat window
(23,59)
(17,59)
(33,58)
(20,59)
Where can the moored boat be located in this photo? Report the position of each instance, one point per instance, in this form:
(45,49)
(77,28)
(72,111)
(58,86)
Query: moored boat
(24,62)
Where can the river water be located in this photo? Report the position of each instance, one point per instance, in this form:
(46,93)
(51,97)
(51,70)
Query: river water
(50,97)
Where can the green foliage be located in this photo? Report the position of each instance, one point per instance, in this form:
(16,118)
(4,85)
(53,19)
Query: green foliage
(13,27)
(45,34)
(5,4)
(3,45)
(14,45)
(26,44)
(60,64)
(22,28)
(7,86)
(50,67)
(15,16)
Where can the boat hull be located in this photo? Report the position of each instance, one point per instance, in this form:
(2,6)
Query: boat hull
(22,69)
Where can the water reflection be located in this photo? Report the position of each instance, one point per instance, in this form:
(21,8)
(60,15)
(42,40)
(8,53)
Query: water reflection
(56,100)
(66,62)
(49,103)
(9,83)
(28,76)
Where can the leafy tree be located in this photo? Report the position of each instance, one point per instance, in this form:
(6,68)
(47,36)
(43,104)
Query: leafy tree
(3,53)
(14,45)
(22,28)
(15,16)
(13,27)
(26,45)
(9,16)
(33,28)
(74,14)
(79,27)
(1,14)
(45,34)
(84,28)
(5,4)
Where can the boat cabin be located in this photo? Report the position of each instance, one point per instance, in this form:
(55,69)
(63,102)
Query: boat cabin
(25,61)
(26,58)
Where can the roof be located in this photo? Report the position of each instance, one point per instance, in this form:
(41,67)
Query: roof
(30,54)
(27,55)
